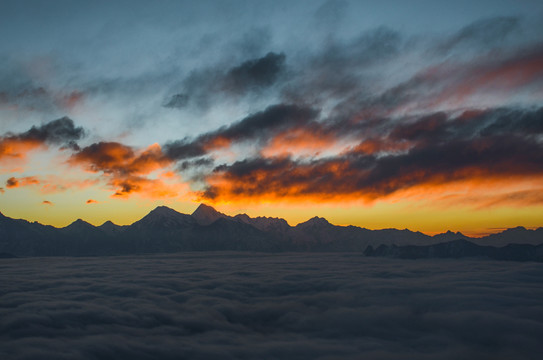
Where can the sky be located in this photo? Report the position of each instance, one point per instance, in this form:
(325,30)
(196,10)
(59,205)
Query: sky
(425,115)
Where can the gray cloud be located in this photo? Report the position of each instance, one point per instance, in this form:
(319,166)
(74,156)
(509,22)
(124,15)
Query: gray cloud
(178,101)
(342,67)
(484,33)
(59,132)
(255,127)
(230,305)
(256,73)
(433,149)
(204,86)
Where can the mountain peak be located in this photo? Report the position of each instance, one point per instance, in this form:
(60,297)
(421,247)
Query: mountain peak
(80,222)
(163,217)
(517,229)
(163,210)
(315,221)
(205,215)
(79,225)
(110,227)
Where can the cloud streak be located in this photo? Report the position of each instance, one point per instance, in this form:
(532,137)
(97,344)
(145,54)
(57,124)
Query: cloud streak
(14,182)
(61,132)
(127,170)
(255,128)
(430,151)
(203,87)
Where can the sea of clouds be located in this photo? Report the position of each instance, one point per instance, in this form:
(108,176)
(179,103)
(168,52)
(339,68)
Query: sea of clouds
(269,306)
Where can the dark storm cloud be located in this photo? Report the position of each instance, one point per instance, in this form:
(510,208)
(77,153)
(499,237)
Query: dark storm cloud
(273,118)
(255,73)
(189,164)
(61,132)
(204,86)
(439,127)
(335,69)
(426,128)
(514,121)
(430,150)
(333,306)
(255,127)
(178,101)
(395,152)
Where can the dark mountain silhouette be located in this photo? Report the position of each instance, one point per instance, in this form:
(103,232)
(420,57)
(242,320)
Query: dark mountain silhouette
(275,225)
(459,249)
(164,218)
(206,215)
(520,234)
(111,229)
(166,230)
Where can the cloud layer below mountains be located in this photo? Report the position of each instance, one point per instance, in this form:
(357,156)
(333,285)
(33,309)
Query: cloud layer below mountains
(231,305)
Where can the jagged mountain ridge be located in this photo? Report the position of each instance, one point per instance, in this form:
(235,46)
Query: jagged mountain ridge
(206,229)
(459,249)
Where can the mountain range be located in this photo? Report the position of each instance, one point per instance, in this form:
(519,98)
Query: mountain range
(206,229)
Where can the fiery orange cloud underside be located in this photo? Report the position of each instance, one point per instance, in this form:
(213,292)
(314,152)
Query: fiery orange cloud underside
(127,170)
(472,188)
(17,149)
(298,141)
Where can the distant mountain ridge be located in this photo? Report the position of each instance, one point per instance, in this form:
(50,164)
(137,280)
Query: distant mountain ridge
(206,229)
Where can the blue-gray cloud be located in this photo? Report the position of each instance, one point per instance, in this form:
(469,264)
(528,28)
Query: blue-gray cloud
(231,305)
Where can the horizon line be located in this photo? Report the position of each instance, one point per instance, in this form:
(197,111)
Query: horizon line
(428,233)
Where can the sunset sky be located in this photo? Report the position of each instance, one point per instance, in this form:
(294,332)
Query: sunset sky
(425,115)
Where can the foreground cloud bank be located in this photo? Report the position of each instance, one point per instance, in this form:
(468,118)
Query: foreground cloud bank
(234,306)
